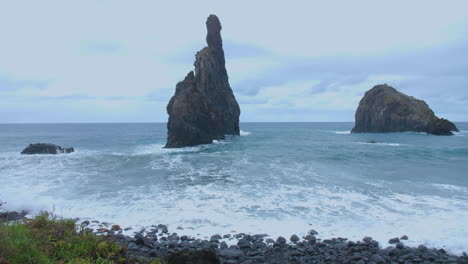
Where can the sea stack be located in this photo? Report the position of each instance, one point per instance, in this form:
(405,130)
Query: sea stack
(203,107)
(384,109)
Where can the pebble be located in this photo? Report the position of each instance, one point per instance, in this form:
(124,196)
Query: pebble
(294,238)
(281,240)
(243,243)
(254,249)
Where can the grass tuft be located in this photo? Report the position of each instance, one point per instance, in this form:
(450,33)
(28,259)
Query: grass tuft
(49,240)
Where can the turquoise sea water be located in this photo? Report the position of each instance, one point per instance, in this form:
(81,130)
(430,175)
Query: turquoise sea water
(276,178)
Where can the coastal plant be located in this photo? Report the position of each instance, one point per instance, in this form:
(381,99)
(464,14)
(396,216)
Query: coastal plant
(49,240)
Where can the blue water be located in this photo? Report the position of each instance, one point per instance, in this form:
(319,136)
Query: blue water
(277,178)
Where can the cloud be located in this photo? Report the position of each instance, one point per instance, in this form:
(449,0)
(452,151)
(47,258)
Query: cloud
(14,85)
(96,47)
(296,62)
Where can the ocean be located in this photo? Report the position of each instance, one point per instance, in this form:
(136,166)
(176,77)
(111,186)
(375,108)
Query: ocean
(276,179)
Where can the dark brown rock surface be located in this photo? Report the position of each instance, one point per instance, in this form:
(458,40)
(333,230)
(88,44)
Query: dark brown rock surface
(45,148)
(384,109)
(204,108)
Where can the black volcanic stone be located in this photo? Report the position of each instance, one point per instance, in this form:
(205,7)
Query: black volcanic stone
(281,240)
(204,108)
(45,148)
(294,238)
(243,243)
(384,109)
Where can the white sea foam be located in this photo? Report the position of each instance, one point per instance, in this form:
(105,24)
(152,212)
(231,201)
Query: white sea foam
(158,149)
(383,144)
(244,133)
(450,187)
(204,210)
(342,132)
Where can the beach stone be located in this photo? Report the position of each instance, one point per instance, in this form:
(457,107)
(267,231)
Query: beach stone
(404,237)
(85,223)
(281,240)
(243,243)
(377,259)
(422,248)
(269,241)
(142,240)
(215,238)
(394,240)
(400,246)
(204,256)
(313,232)
(230,253)
(294,238)
(310,238)
(223,245)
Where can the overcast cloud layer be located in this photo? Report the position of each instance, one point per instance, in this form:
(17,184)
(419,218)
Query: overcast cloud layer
(119,61)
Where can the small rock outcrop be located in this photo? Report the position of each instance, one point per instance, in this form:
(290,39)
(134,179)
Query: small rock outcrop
(204,108)
(384,109)
(44,148)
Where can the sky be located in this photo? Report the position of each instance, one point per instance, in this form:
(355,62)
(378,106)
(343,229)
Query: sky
(297,61)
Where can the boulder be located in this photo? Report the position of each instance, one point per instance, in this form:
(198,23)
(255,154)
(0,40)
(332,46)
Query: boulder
(204,256)
(384,109)
(44,148)
(204,108)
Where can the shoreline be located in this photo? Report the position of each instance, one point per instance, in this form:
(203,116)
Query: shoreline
(157,241)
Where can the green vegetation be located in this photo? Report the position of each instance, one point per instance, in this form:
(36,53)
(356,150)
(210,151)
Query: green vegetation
(48,240)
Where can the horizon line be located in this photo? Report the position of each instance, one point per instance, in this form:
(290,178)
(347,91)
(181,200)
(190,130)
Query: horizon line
(58,123)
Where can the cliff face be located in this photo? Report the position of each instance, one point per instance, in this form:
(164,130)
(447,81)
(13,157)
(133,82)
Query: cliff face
(384,109)
(204,107)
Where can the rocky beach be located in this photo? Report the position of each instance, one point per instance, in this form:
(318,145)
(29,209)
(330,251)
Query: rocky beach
(158,242)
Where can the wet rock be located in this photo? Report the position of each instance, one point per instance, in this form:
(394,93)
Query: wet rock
(377,259)
(404,237)
(115,228)
(384,109)
(142,240)
(45,148)
(243,243)
(294,238)
(215,237)
(313,232)
(400,246)
(422,248)
(372,141)
(85,223)
(281,240)
(230,253)
(394,240)
(204,108)
(204,256)
(310,238)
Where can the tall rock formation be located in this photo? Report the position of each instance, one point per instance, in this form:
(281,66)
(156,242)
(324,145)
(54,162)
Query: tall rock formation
(204,107)
(384,109)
